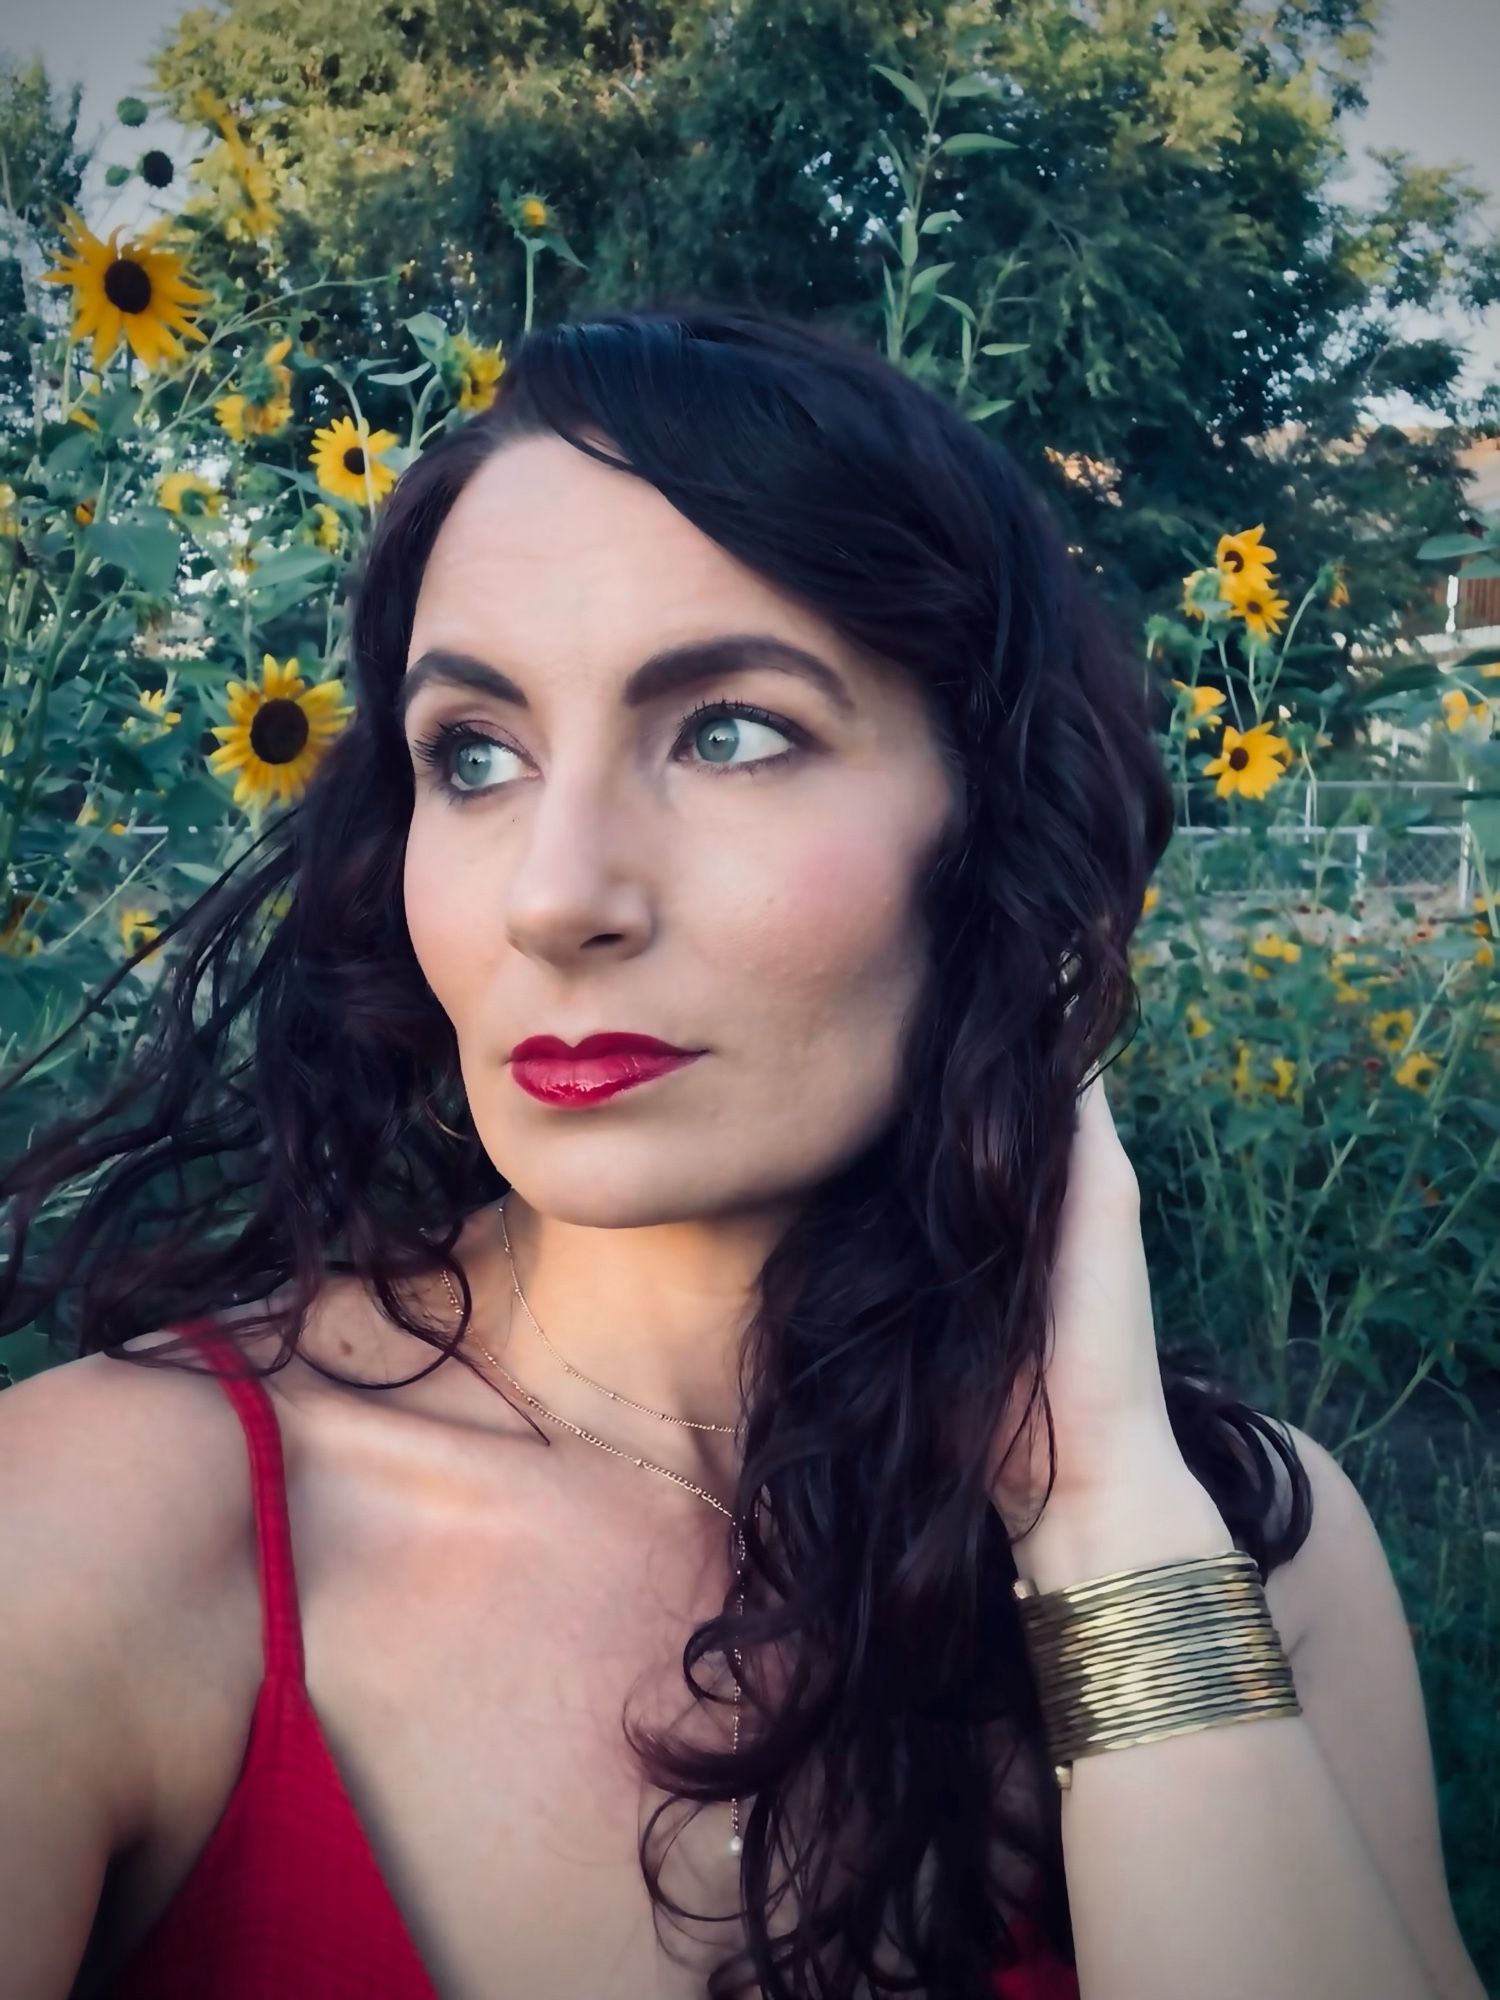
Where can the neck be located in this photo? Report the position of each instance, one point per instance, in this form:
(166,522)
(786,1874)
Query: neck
(654,1311)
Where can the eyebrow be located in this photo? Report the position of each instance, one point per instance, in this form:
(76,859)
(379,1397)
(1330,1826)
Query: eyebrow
(682,666)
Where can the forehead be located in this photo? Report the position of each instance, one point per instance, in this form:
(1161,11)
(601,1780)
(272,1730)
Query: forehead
(548,555)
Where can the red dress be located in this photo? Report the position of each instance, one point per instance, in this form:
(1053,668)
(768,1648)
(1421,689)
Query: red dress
(286,1901)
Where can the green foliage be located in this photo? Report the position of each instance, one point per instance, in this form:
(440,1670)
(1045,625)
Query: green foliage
(1185,313)
(40,167)
(1107,234)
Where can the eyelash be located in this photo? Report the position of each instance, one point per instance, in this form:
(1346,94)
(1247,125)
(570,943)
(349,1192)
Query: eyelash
(440,743)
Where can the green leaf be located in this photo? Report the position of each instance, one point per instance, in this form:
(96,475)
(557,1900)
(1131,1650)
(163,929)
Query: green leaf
(1483,816)
(147,551)
(1487,566)
(928,276)
(912,92)
(288,566)
(287,577)
(1005,347)
(403,376)
(976,142)
(194,805)
(939,221)
(908,239)
(977,412)
(960,306)
(1445,548)
(72,454)
(116,410)
(428,331)
(1486,656)
(969,86)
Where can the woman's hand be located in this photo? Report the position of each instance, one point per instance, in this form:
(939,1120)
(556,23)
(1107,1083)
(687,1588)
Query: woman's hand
(1103,1377)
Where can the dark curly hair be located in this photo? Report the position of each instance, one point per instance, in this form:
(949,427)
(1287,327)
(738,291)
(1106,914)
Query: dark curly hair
(270,1127)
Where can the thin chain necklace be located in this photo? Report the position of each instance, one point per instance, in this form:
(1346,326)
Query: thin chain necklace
(736,1844)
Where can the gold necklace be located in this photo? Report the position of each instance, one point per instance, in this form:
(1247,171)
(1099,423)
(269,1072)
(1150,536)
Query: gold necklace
(736,1844)
(687,1423)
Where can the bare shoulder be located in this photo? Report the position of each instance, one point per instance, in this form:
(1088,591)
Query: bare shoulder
(1297,1590)
(126,1504)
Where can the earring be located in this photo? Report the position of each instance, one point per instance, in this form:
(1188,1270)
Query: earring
(433,1119)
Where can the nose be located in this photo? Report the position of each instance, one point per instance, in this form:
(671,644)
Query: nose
(581,870)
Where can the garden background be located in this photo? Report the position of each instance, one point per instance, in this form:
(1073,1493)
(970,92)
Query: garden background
(1116,234)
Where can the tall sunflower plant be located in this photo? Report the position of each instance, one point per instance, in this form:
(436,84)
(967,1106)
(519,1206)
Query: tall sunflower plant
(1318,1056)
(200,470)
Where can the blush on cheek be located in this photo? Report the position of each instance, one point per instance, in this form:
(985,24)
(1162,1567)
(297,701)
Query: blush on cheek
(845,914)
(439,912)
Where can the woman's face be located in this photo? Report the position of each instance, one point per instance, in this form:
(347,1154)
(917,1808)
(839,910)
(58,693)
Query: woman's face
(592,861)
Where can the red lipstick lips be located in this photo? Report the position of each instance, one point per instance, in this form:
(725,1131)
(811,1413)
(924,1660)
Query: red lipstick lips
(599,1067)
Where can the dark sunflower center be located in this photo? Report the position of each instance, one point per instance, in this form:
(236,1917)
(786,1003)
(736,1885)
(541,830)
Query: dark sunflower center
(1238,759)
(278,731)
(127,286)
(354,461)
(156,168)
(1233,559)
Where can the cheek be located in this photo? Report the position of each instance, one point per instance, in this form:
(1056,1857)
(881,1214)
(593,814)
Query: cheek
(835,925)
(440,915)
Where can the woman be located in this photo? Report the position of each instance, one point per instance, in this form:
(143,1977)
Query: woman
(723,687)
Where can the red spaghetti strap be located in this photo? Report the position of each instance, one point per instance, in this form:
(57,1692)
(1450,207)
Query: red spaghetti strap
(281,1624)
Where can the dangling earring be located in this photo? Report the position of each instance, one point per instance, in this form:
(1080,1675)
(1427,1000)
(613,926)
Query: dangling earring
(433,1119)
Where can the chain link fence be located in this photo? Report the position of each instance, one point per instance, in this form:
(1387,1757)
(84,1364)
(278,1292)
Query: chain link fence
(1431,864)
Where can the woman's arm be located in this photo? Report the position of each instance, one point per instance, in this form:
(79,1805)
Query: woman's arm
(1228,1864)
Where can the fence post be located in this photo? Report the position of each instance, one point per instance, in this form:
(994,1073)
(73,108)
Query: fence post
(1465,836)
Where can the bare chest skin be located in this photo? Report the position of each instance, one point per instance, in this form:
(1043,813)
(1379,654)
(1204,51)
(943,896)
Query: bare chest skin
(477,1609)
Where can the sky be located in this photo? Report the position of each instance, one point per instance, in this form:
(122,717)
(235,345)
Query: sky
(1435,94)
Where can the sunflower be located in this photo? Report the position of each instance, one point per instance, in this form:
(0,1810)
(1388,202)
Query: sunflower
(1203,593)
(1393,1030)
(1245,559)
(15,940)
(1240,1079)
(1286,1077)
(188,493)
(251,213)
(154,705)
(1249,761)
(1274,947)
(1257,603)
(1417,1072)
(266,406)
(1338,597)
(1459,711)
(10,516)
(1205,701)
(534,212)
(136,928)
(480,368)
(134,288)
(277,733)
(346,458)
(1198,1023)
(1481,929)
(329,532)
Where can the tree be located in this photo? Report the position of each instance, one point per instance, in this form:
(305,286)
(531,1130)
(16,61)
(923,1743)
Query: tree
(1202,322)
(40,166)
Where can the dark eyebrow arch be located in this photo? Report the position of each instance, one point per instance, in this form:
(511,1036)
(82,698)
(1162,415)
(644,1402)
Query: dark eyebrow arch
(686,665)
